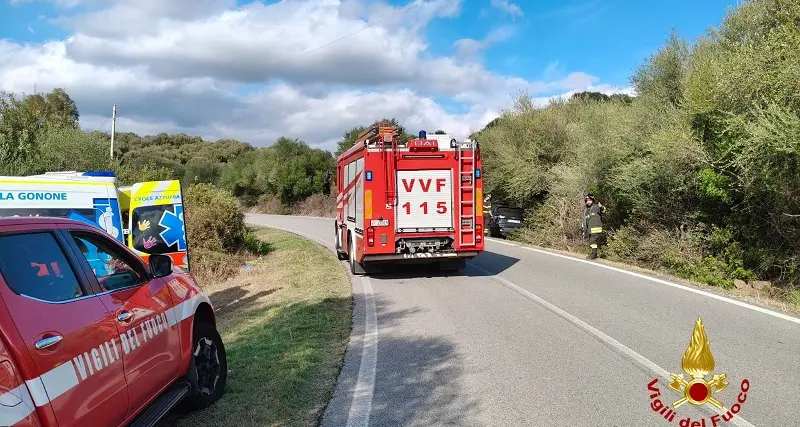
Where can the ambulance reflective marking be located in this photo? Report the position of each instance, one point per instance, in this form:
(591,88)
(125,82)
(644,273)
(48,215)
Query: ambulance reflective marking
(63,378)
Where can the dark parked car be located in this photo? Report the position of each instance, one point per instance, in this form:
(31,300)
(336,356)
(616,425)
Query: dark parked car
(506,219)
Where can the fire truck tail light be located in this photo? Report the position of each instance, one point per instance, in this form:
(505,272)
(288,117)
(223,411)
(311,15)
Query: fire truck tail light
(478,233)
(370,237)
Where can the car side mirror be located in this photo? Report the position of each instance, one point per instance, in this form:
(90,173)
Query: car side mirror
(160,265)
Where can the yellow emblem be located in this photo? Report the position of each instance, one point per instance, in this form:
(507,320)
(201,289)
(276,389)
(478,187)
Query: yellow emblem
(698,362)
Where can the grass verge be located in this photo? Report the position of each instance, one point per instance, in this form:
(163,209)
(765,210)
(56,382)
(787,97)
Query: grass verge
(285,320)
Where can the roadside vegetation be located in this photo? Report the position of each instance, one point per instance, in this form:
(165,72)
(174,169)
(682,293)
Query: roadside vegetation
(283,303)
(699,171)
(285,321)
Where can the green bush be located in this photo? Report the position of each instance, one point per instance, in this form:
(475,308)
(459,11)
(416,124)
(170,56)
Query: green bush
(213,219)
(699,172)
(255,245)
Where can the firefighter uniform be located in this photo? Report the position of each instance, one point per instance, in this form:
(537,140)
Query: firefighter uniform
(487,213)
(593,225)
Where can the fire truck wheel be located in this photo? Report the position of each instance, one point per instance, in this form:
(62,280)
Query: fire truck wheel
(339,254)
(355,267)
(208,366)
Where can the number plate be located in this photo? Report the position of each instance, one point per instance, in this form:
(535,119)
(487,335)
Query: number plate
(379,223)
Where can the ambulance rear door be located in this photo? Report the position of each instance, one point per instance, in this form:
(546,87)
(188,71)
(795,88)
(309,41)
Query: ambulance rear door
(156,221)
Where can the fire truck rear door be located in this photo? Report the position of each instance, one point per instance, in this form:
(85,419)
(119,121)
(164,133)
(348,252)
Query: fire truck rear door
(424,200)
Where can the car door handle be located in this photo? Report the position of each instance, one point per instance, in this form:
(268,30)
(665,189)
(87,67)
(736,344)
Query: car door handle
(125,316)
(48,342)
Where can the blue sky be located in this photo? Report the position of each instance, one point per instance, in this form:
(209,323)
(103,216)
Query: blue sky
(607,38)
(551,46)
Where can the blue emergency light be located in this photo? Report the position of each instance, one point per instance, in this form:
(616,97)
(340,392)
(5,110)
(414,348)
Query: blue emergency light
(423,135)
(477,173)
(368,176)
(100,173)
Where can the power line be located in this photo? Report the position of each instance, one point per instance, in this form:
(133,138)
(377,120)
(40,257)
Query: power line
(399,12)
(104,123)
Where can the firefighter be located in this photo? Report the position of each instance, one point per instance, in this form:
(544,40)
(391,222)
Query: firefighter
(326,184)
(593,223)
(487,210)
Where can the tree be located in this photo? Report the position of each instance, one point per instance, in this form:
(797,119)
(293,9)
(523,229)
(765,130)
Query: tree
(23,119)
(349,137)
(591,96)
(662,75)
(201,170)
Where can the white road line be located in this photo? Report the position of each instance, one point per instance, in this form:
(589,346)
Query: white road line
(664,282)
(361,403)
(737,420)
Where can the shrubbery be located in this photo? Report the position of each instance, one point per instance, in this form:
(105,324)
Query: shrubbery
(219,241)
(699,172)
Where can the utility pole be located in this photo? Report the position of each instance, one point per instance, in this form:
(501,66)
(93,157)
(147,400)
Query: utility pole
(113,128)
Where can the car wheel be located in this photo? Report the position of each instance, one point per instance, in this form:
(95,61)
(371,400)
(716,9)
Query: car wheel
(208,366)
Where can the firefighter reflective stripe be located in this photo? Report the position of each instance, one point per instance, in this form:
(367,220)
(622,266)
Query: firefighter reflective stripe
(479,197)
(367,205)
(45,388)
(595,230)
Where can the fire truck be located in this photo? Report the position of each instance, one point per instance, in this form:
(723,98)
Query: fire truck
(412,202)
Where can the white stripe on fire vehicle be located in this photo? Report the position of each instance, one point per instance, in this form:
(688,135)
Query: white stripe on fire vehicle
(45,388)
(15,406)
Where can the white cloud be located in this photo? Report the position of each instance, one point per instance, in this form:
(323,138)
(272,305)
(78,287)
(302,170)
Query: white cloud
(210,68)
(543,101)
(507,7)
(470,48)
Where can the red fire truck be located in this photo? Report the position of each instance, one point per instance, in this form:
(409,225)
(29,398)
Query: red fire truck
(417,202)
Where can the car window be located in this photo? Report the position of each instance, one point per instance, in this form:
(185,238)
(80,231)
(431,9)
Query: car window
(108,263)
(510,212)
(147,232)
(34,265)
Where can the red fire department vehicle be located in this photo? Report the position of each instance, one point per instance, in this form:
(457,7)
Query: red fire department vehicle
(416,202)
(92,335)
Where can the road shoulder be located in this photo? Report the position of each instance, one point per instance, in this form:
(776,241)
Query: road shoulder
(285,320)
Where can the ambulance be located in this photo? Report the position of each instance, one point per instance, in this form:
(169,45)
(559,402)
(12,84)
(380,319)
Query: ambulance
(147,216)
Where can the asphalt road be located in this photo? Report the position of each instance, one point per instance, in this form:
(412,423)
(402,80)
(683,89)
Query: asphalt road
(528,338)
